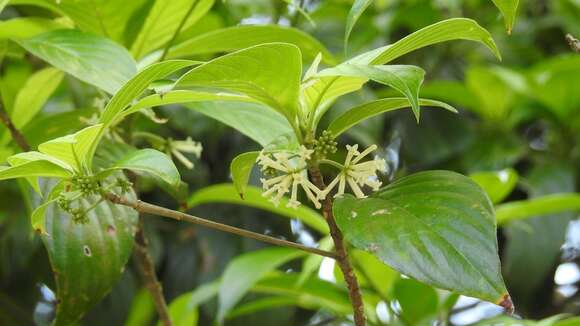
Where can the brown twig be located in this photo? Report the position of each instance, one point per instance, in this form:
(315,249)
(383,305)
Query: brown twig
(143,207)
(16,134)
(147,269)
(342,259)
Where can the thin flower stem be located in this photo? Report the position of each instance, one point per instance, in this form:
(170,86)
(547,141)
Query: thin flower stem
(332,163)
(143,207)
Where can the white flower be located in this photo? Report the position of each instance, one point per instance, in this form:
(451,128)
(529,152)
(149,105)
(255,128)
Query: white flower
(357,174)
(292,167)
(177,147)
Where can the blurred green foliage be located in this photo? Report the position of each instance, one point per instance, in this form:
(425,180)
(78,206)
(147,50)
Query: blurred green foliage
(517,134)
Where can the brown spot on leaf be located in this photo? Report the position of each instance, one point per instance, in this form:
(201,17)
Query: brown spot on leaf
(507,303)
(87,251)
(111,230)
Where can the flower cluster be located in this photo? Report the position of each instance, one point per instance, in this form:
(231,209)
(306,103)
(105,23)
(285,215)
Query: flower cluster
(324,145)
(291,172)
(357,174)
(287,171)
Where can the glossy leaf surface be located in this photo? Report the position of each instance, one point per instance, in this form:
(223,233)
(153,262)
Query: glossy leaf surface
(436,226)
(87,259)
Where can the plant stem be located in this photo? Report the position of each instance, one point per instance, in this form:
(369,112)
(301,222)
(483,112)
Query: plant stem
(143,207)
(147,269)
(342,259)
(16,134)
(181,24)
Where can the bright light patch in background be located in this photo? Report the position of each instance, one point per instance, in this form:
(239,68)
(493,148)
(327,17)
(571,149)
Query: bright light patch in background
(326,271)
(567,273)
(480,310)
(383,312)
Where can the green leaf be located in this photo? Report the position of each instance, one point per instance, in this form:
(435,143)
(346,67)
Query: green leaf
(142,309)
(90,58)
(497,184)
(240,168)
(245,270)
(239,37)
(108,18)
(495,93)
(251,119)
(362,112)
(25,27)
(73,149)
(163,22)
(443,31)
(3,4)
(34,94)
(311,263)
(544,205)
(405,79)
(183,308)
(357,9)
(553,84)
(260,305)
(26,157)
(320,92)
(87,259)
(533,246)
(509,10)
(431,226)
(227,193)
(379,276)
(38,217)
(314,294)
(34,169)
(418,301)
(138,84)
(257,73)
(150,161)
(81,280)
(182,96)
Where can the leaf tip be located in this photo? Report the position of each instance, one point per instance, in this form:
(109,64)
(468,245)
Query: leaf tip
(507,303)
(241,195)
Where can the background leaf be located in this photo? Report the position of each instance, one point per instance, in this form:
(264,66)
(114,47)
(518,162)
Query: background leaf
(90,58)
(240,37)
(244,271)
(509,9)
(357,9)
(20,28)
(34,94)
(163,21)
(498,185)
(227,193)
